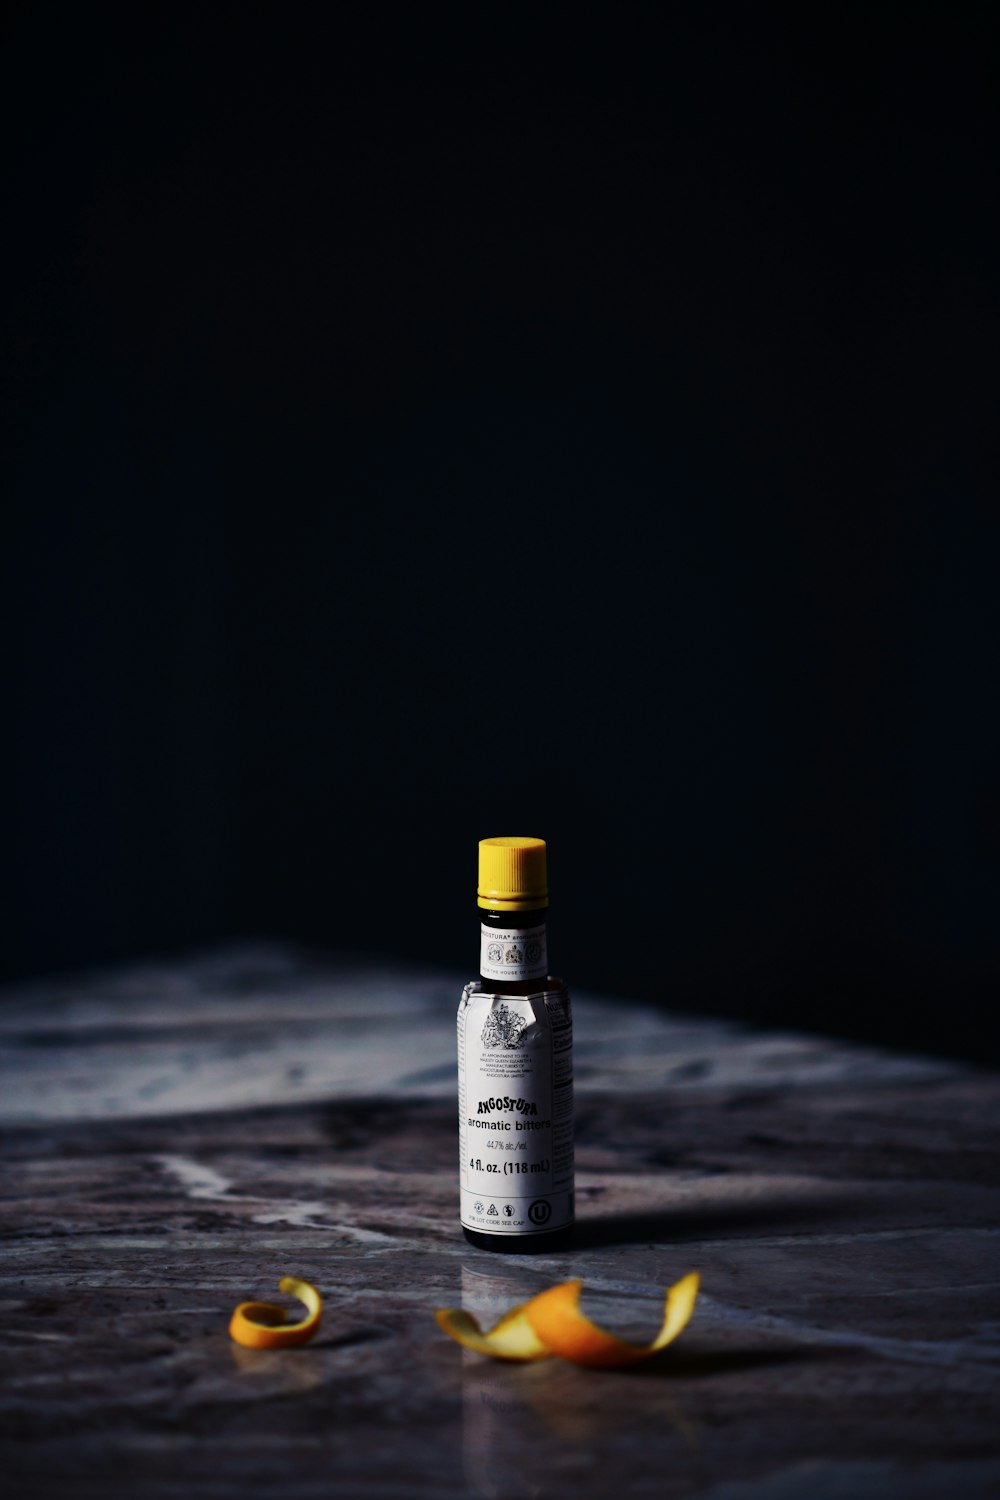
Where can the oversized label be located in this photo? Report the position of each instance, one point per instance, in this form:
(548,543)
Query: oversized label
(515,1111)
(513,952)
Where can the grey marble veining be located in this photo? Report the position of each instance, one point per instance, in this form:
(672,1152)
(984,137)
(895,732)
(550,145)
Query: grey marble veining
(176,1137)
(261,1026)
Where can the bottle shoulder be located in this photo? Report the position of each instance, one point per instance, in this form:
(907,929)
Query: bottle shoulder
(551,988)
(516,921)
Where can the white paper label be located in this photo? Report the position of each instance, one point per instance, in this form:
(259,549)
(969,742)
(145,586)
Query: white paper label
(513,952)
(515,1107)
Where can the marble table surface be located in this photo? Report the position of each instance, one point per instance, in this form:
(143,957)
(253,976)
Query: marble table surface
(176,1136)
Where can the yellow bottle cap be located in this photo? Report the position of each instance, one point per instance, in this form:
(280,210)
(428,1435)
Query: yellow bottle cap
(512,874)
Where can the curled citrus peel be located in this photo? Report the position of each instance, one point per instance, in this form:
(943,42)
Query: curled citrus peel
(564,1330)
(512,1338)
(265,1325)
(552,1323)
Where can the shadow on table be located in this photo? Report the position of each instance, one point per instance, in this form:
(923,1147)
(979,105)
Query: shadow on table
(678,1363)
(677,1225)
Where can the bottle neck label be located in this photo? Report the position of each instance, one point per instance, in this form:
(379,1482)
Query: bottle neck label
(513,952)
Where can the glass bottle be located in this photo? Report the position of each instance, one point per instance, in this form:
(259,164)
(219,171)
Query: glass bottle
(515,1064)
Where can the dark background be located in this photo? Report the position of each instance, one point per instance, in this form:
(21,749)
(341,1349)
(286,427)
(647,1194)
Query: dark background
(575,421)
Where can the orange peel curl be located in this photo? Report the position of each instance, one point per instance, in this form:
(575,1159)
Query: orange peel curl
(552,1323)
(266,1325)
(512,1338)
